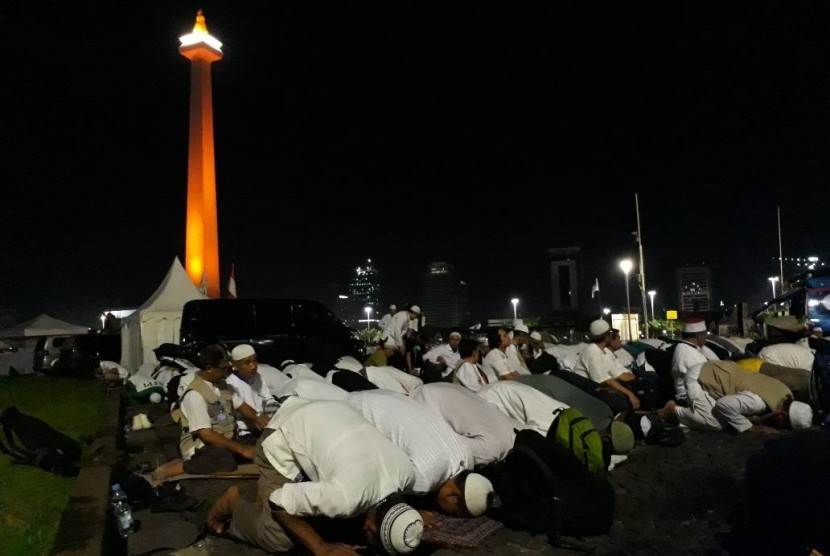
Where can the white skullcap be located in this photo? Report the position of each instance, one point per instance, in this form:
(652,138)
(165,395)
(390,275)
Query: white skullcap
(477,493)
(536,335)
(348,363)
(393,307)
(694,325)
(801,415)
(242,351)
(598,328)
(401,529)
(455,334)
(521,328)
(415,309)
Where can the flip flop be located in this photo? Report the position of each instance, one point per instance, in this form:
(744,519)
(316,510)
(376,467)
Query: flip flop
(622,437)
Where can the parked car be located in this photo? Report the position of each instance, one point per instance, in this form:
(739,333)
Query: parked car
(278,329)
(76,355)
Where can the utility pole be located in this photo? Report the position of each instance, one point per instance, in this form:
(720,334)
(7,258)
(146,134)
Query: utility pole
(642,275)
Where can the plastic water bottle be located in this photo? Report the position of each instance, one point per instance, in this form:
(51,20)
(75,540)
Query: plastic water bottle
(122,512)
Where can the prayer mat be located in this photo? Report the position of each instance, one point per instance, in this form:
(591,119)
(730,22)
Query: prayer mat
(457,532)
(243,471)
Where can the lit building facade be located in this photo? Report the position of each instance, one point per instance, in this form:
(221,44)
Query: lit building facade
(695,287)
(363,291)
(445,296)
(565,278)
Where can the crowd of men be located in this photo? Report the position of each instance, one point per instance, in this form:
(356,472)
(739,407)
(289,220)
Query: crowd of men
(365,453)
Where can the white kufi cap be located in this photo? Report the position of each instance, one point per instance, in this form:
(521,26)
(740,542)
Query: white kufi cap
(694,325)
(801,415)
(401,529)
(478,491)
(536,335)
(598,328)
(521,327)
(415,309)
(242,351)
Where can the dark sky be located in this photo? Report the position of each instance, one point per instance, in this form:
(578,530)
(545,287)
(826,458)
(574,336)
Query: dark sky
(480,133)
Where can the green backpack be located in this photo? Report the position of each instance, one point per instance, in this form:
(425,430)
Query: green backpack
(576,434)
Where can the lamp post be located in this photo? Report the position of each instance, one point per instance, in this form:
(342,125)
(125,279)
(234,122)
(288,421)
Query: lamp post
(773,280)
(626,265)
(514,301)
(606,311)
(368,316)
(651,294)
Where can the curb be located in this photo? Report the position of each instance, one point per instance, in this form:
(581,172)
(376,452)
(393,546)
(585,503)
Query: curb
(85,528)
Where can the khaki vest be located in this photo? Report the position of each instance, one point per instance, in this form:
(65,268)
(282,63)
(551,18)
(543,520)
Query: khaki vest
(217,405)
(724,378)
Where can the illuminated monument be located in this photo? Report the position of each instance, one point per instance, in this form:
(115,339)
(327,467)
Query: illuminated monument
(202,236)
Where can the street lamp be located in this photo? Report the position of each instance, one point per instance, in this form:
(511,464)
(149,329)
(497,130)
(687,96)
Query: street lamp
(773,280)
(606,311)
(651,294)
(626,265)
(514,301)
(368,316)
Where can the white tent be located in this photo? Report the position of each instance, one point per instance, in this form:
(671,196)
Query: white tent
(158,320)
(43,325)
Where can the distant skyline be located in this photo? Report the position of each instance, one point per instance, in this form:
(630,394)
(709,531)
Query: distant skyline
(477,133)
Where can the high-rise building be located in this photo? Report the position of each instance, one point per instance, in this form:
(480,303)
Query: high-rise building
(445,296)
(565,278)
(363,291)
(202,235)
(695,287)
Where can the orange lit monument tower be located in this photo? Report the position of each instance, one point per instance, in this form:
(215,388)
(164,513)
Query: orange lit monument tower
(202,236)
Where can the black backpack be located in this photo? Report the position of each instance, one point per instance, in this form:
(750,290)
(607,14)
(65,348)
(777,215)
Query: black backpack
(543,489)
(820,385)
(42,446)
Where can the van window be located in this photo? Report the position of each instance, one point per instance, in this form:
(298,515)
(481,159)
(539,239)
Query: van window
(221,321)
(272,318)
(314,318)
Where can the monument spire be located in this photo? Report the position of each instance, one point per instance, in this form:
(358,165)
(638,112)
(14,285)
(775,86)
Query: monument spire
(201,235)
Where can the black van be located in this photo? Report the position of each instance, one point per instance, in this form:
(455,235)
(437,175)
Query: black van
(278,329)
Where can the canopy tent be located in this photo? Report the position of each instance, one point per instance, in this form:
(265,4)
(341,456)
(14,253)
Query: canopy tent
(158,320)
(43,325)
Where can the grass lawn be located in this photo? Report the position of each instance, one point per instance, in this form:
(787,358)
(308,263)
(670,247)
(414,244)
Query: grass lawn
(32,500)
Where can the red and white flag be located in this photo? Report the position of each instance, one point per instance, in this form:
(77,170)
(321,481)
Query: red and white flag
(232,283)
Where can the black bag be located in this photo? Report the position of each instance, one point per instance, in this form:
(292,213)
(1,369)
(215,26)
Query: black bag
(42,446)
(543,489)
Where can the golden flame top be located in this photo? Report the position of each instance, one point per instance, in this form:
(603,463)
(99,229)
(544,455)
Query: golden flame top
(200,26)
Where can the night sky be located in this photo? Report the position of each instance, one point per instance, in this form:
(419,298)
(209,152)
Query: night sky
(480,133)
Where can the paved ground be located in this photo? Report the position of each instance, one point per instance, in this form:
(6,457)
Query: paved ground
(670,501)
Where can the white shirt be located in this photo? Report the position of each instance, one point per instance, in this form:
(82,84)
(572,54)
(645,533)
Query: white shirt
(350,466)
(788,355)
(195,410)
(451,358)
(300,370)
(253,393)
(311,389)
(485,432)
(432,446)
(274,378)
(390,378)
(598,364)
(472,376)
(523,403)
(384,321)
(515,360)
(685,357)
(398,327)
(495,364)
